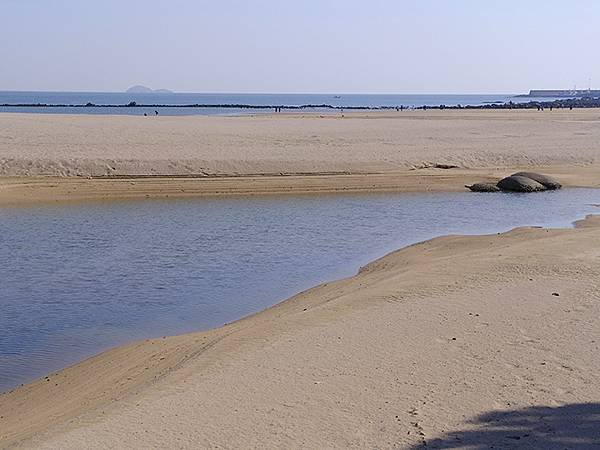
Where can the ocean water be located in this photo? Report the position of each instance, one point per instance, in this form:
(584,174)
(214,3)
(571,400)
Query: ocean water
(77,279)
(249,100)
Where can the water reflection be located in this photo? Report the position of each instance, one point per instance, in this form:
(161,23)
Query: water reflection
(80,278)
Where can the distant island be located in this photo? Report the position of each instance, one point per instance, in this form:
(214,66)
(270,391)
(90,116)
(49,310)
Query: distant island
(139,89)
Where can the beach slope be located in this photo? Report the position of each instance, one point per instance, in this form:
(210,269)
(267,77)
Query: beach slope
(474,340)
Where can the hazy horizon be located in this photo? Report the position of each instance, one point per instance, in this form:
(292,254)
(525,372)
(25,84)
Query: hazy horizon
(320,47)
(267,93)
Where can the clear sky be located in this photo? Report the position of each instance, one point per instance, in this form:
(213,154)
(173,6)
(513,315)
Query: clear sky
(333,46)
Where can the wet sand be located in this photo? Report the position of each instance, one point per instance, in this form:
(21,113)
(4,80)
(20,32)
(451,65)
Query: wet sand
(23,191)
(455,340)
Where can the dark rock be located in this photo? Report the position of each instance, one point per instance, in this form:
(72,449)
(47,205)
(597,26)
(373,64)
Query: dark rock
(548,182)
(445,166)
(517,183)
(483,187)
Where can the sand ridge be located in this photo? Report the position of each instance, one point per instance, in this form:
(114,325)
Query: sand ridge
(52,157)
(24,191)
(98,145)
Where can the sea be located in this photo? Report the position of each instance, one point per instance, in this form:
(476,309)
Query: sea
(228,104)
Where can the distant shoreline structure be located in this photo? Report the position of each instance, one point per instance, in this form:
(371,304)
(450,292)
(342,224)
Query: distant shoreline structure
(129,103)
(562,93)
(566,102)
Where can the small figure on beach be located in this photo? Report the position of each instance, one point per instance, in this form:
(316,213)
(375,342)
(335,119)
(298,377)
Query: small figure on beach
(145,115)
(155,112)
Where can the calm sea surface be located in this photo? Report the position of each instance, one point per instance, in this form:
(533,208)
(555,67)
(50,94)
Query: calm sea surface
(341,100)
(77,279)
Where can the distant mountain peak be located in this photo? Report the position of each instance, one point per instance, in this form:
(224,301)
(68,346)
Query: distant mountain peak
(139,89)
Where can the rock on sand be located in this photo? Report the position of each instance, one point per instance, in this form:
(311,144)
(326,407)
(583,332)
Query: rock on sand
(517,183)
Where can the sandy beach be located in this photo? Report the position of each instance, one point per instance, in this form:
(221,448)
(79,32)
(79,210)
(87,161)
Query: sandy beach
(458,341)
(455,341)
(51,157)
(63,145)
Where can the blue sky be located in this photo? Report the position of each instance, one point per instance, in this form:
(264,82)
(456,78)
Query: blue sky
(346,46)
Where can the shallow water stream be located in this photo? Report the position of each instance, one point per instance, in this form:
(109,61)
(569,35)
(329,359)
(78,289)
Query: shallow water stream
(77,279)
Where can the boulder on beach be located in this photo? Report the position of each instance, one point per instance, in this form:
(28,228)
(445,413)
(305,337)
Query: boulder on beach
(545,180)
(483,187)
(517,183)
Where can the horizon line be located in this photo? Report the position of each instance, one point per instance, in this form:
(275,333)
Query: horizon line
(260,93)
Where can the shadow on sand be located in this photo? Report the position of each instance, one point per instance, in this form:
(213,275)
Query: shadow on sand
(575,426)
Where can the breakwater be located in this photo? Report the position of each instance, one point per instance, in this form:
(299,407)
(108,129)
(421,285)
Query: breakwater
(563,93)
(584,102)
